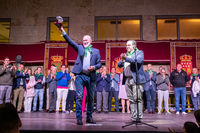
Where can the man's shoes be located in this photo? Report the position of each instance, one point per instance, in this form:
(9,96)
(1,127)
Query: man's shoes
(91,121)
(98,112)
(184,113)
(19,111)
(153,112)
(167,113)
(177,113)
(79,122)
(106,112)
(159,112)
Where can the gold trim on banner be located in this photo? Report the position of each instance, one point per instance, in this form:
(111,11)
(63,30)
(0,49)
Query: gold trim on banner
(53,45)
(173,46)
(108,47)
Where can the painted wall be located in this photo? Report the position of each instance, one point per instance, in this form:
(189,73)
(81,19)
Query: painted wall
(29,17)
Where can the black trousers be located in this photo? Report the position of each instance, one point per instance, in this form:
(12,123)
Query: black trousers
(70,99)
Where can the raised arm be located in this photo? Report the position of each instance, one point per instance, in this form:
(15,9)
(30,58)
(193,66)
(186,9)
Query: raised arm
(68,40)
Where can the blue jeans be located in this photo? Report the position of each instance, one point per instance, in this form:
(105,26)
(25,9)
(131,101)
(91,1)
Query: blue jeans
(115,94)
(81,81)
(38,92)
(150,97)
(180,92)
(195,101)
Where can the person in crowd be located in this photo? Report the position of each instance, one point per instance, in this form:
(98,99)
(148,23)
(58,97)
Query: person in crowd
(29,93)
(162,81)
(47,90)
(114,91)
(197,117)
(123,96)
(52,85)
(7,73)
(62,88)
(134,85)
(160,70)
(150,88)
(195,95)
(88,61)
(103,87)
(20,87)
(39,91)
(9,119)
(71,94)
(178,78)
(190,127)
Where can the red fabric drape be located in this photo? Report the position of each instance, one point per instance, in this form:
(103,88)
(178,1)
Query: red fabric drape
(31,53)
(188,51)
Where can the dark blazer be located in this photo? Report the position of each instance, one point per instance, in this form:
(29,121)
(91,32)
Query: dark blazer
(153,81)
(103,83)
(52,83)
(19,76)
(95,58)
(139,56)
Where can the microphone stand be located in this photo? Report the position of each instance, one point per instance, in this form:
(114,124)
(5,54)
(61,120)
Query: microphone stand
(138,120)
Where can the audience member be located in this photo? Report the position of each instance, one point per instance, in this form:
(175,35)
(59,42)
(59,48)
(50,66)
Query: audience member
(52,85)
(178,79)
(9,119)
(7,73)
(162,81)
(39,91)
(195,93)
(190,127)
(123,96)
(62,88)
(29,93)
(20,87)
(197,117)
(71,94)
(103,88)
(114,91)
(47,91)
(150,88)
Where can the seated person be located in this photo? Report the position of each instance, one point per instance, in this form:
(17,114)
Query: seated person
(197,117)
(9,119)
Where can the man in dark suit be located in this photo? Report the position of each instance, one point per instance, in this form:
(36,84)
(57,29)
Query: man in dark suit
(87,62)
(150,88)
(132,81)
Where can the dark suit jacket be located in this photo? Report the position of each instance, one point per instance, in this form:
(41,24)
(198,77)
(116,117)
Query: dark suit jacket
(153,81)
(95,58)
(103,83)
(139,56)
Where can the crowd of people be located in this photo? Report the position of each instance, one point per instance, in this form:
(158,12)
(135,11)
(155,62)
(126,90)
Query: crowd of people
(23,87)
(65,87)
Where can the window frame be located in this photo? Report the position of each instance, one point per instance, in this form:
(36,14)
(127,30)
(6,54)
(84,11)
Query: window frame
(177,17)
(6,20)
(116,18)
(53,19)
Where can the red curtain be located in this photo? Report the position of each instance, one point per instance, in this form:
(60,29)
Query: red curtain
(31,53)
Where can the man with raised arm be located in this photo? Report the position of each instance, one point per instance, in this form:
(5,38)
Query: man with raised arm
(87,62)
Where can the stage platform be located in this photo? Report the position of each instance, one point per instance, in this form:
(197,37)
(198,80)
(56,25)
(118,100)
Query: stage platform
(111,122)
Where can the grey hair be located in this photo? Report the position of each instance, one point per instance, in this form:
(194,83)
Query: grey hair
(88,37)
(133,42)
